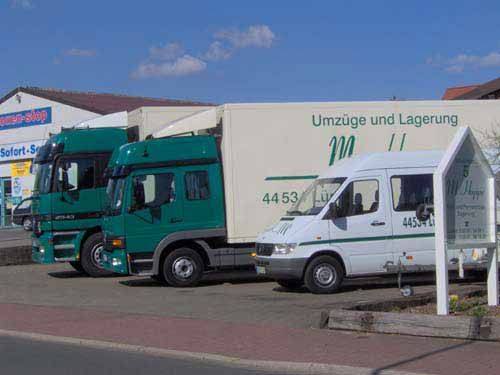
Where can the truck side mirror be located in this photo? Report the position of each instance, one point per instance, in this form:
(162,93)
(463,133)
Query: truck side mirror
(424,211)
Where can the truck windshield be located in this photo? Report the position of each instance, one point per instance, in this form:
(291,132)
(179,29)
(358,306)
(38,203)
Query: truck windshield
(316,196)
(115,190)
(42,178)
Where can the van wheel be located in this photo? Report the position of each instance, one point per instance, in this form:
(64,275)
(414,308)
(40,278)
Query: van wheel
(291,284)
(183,267)
(77,266)
(324,275)
(91,256)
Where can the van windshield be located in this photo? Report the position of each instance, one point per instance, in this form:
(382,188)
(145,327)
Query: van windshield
(316,196)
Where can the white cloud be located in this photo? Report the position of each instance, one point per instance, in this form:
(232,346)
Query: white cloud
(254,36)
(169,51)
(217,52)
(78,52)
(182,66)
(464,61)
(23,4)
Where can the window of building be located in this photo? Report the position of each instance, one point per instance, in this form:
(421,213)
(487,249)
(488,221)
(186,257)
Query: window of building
(197,187)
(411,190)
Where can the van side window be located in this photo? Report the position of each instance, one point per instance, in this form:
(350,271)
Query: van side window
(197,187)
(358,198)
(409,191)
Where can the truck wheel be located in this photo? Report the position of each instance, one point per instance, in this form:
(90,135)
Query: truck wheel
(183,267)
(77,266)
(91,256)
(27,224)
(290,284)
(324,275)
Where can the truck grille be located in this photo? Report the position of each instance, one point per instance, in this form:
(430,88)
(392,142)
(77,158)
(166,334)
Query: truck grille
(265,249)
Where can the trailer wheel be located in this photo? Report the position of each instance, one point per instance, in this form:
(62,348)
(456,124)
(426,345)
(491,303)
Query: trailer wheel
(183,267)
(324,275)
(91,256)
(291,284)
(77,266)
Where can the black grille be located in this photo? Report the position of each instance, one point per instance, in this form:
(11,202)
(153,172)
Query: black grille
(265,249)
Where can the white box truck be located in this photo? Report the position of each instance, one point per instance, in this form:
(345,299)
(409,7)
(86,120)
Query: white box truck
(267,154)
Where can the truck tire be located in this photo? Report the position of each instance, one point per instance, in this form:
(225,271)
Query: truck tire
(183,267)
(77,266)
(324,275)
(291,284)
(90,256)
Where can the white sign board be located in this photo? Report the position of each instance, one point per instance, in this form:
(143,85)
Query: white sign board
(465,211)
(17,151)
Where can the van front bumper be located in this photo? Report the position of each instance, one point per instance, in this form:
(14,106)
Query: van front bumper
(281,268)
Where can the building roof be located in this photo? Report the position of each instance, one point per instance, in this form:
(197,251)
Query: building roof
(384,160)
(452,92)
(483,91)
(100,103)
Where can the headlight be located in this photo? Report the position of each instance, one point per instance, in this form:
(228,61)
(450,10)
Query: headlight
(284,248)
(116,262)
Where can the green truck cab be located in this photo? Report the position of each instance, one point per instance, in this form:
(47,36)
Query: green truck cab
(69,197)
(166,214)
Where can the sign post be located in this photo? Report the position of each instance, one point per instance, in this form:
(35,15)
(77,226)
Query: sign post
(465,211)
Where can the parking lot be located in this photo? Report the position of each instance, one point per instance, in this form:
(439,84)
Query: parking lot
(231,297)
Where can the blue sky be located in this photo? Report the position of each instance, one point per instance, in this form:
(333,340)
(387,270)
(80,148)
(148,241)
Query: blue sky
(237,51)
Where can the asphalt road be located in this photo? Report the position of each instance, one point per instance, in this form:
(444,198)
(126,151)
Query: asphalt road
(20,356)
(236,297)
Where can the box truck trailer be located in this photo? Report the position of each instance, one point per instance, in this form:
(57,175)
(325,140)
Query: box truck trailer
(195,196)
(69,193)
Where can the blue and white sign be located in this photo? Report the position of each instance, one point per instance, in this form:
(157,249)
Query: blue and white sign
(17,151)
(22,119)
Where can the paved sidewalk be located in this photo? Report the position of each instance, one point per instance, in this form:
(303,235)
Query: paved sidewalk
(15,246)
(259,342)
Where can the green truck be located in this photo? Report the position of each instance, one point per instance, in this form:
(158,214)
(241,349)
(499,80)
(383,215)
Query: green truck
(193,197)
(69,197)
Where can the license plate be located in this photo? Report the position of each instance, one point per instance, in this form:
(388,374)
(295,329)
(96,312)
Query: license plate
(261,270)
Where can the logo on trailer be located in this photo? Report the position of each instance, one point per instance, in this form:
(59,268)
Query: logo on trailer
(341,147)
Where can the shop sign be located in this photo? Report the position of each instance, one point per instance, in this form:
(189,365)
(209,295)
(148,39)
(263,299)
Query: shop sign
(30,117)
(20,169)
(15,151)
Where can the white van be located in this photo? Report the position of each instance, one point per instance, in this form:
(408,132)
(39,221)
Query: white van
(357,219)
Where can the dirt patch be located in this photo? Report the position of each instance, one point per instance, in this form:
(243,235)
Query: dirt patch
(466,306)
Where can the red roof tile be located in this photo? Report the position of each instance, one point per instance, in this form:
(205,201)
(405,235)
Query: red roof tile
(100,102)
(452,92)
